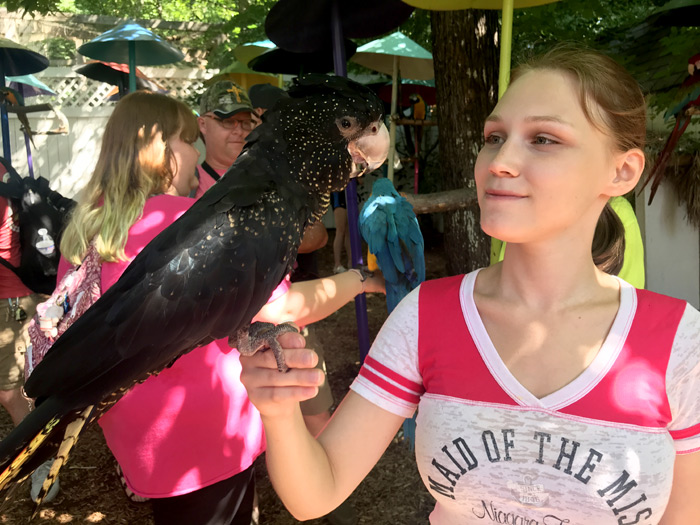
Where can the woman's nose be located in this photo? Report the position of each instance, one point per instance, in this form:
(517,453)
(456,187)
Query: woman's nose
(506,162)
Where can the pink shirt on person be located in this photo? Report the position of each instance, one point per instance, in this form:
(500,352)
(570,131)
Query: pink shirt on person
(10,284)
(206,181)
(192,425)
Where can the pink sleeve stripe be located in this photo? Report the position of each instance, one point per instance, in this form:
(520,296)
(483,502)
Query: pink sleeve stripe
(388,372)
(389,387)
(686,432)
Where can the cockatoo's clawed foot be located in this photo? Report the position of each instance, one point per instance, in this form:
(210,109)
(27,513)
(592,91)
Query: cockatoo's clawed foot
(263,336)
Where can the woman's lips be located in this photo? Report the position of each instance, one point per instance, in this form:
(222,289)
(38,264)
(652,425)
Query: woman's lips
(504,194)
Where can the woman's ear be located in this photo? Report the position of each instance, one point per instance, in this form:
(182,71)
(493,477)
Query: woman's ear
(629,167)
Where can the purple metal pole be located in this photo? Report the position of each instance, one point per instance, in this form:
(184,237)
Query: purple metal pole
(30,163)
(351,195)
(5,125)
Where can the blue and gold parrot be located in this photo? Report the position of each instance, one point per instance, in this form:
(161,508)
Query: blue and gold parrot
(11,97)
(390,228)
(683,112)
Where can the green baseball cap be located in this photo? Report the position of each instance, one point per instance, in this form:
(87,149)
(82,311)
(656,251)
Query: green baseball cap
(224,99)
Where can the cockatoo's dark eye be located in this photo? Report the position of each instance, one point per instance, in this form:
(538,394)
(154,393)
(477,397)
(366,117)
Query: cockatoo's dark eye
(346,123)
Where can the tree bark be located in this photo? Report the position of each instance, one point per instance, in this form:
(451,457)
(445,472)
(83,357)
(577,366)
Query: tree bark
(465,57)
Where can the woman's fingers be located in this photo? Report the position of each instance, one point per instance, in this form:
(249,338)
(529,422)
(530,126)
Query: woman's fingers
(275,393)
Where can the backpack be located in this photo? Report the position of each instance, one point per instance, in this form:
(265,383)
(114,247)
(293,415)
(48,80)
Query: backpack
(42,213)
(79,288)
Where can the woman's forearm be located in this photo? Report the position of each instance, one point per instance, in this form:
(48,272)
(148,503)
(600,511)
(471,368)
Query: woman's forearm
(299,468)
(310,301)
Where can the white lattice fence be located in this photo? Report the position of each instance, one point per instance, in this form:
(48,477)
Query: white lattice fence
(68,160)
(77,91)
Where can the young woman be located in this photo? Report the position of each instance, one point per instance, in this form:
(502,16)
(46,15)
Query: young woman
(550,392)
(186,438)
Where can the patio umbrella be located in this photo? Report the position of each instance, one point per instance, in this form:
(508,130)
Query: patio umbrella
(680,13)
(117,75)
(28,86)
(15,60)
(300,25)
(129,43)
(244,53)
(391,55)
(288,62)
(306,26)
(506,7)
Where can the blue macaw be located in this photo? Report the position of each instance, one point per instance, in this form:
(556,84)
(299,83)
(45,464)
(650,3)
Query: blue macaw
(391,230)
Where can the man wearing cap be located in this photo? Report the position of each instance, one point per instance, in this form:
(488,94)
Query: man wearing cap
(225,120)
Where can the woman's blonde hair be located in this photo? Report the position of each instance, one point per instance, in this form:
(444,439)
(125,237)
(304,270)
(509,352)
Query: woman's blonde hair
(135,162)
(614,103)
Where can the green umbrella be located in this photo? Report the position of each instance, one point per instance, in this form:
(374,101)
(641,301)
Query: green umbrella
(393,54)
(129,43)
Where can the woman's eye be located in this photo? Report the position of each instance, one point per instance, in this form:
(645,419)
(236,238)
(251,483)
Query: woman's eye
(494,139)
(540,141)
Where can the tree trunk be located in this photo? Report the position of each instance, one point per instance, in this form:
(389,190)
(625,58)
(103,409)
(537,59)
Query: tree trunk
(465,56)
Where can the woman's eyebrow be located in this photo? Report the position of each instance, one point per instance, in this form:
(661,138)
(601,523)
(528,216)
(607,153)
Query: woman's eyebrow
(534,118)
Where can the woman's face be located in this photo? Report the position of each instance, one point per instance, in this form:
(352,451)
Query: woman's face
(544,167)
(185,157)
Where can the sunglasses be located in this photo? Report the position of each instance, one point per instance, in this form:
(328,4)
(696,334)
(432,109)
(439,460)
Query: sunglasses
(232,123)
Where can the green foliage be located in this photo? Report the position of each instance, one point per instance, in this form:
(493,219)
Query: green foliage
(58,48)
(417,28)
(584,21)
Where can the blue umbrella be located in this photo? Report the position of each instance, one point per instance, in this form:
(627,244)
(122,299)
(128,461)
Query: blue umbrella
(129,43)
(15,60)
(28,86)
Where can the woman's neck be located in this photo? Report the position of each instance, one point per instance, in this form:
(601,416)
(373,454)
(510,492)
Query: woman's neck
(548,278)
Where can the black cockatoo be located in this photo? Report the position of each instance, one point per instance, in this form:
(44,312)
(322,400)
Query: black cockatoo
(207,275)
(683,112)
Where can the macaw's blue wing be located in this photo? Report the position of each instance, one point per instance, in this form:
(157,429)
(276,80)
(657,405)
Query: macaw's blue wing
(390,228)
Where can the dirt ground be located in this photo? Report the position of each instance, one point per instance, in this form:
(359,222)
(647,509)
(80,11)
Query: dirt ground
(392,494)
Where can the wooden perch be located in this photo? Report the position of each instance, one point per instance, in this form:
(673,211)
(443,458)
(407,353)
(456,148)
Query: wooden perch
(442,201)
(23,110)
(63,129)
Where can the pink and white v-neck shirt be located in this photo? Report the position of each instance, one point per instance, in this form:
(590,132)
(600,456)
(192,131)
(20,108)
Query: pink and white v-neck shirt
(598,451)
